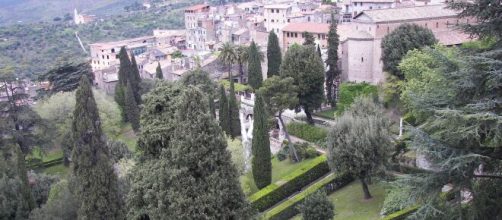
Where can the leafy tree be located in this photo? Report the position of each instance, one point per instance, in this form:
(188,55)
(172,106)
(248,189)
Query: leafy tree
(278,95)
(233,112)
(132,109)
(158,72)
(306,68)
(317,207)
(309,39)
(404,38)
(451,96)
(359,141)
(254,63)
(19,124)
(95,184)
(65,78)
(274,56)
(17,200)
(201,79)
(157,119)
(487,14)
(261,161)
(228,56)
(242,56)
(135,79)
(118,150)
(62,204)
(223,114)
(195,173)
(332,62)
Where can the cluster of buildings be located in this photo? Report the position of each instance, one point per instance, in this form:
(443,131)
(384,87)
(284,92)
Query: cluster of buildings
(362,24)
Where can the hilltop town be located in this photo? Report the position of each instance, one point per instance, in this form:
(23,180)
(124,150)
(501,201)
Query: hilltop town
(361,27)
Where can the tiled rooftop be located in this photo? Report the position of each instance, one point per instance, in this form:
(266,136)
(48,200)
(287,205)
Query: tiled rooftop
(407,13)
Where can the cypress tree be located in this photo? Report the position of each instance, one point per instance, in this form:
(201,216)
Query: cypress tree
(309,39)
(233,113)
(333,71)
(157,119)
(131,107)
(194,178)
(319,51)
(224,117)
(123,75)
(201,79)
(274,56)
(261,162)
(135,79)
(158,72)
(254,66)
(95,183)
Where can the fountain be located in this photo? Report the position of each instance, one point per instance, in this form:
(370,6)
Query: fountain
(247,137)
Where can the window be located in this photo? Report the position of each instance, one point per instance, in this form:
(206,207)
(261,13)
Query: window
(355,3)
(378,26)
(288,20)
(272,20)
(103,56)
(296,34)
(362,59)
(107,57)
(388,29)
(437,24)
(113,50)
(371,7)
(323,36)
(318,36)
(287,34)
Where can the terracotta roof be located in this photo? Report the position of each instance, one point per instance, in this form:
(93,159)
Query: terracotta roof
(308,27)
(374,1)
(452,37)
(196,7)
(406,13)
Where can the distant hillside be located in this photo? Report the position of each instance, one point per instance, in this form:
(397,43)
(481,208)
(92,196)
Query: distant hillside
(27,11)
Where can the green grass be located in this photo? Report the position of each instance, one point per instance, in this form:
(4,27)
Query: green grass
(328,114)
(128,137)
(279,170)
(349,202)
(59,170)
(37,153)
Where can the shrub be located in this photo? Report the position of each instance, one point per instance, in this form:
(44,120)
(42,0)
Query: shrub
(275,192)
(288,208)
(283,153)
(349,91)
(305,151)
(42,186)
(118,150)
(307,132)
(396,199)
(317,206)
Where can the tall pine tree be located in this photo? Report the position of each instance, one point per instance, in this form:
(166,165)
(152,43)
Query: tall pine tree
(158,72)
(131,108)
(274,56)
(261,162)
(254,66)
(233,113)
(223,115)
(333,71)
(95,183)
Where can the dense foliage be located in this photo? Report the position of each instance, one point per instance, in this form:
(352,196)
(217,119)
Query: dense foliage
(95,184)
(307,132)
(306,68)
(404,38)
(359,142)
(274,55)
(317,206)
(261,160)
(350,91)
(233,112)
(65,78)
(255,76)
(223,117)
(195,173)
(332,62)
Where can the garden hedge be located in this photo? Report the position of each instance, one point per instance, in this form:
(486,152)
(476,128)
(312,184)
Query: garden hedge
(289,208)
(402,214)
(40,164)
(293,182)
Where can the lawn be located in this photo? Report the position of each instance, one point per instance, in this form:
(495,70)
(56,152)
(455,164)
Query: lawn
(58,170)
(37,153)
(328,114)
(279,170)
(349,202)
(128,137)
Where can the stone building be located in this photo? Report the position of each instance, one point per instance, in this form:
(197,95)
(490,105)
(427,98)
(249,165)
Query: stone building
(276,17)
(200,28)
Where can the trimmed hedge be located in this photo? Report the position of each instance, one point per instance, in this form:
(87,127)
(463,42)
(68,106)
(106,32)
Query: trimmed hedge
(307,132)
(293,182)
(39,164)
(288,208)
(402,214)
(349,91)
